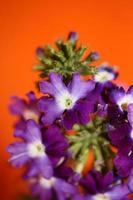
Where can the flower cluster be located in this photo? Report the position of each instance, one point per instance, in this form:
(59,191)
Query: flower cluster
(72,118)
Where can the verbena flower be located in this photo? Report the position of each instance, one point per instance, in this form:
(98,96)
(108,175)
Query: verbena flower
(59,187)
(39,149)
(105,74)
(50,188)
(65,102)
(101,116)
(121,137)
(103,187)
(25,109)
(122,98)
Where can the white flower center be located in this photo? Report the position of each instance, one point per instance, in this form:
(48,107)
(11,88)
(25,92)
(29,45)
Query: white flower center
(125,101)
(47,183)
(65,100)
(101,197)
(36,149)
(30,114)
(103,76)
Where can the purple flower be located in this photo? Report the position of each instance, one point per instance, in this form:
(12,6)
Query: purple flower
(105,74)
(98,187)
(122,98)
(121,137)
(52,188)
(59,186)
(41,150)
(67,103)
(25,109)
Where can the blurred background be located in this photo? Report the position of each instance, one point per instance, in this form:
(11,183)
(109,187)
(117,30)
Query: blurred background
(105,26)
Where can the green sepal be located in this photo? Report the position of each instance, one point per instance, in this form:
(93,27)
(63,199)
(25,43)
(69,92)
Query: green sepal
(65,59)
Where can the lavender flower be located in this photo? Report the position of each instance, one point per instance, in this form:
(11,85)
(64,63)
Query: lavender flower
(37,149)
(63,98)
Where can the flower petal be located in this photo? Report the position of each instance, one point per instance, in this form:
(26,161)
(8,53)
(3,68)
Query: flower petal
(79,88)
(47,88)
(51,110)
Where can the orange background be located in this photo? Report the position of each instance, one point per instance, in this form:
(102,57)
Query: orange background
(106,26)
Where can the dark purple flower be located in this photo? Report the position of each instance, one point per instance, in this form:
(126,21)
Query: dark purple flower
(99,187)
(41,150)
(105,74)
(100,97)
(25,109)
(124,163)
(121,137)
(115,115)
(68,99)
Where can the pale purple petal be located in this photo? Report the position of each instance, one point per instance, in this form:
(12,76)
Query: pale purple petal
(44,166)
(63,189)
(17,105)
(57,82)
(51,110)
(19,155)
(130,181)
(47,88)
(33,132)
(118,192)
(79,88)
(116,94)
(130,114)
